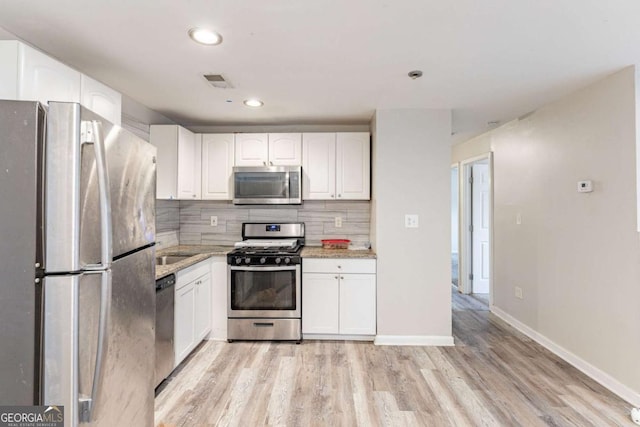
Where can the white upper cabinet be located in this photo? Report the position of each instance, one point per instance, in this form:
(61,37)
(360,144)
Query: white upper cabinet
(261,149)
(30,75)
(217,166)
(285,149)
(319,166)
(178,162)
(353,166)
(101,99)
(252,149)
(336,166)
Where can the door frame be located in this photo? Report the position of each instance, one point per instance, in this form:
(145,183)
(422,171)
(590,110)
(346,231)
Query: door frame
(465,219)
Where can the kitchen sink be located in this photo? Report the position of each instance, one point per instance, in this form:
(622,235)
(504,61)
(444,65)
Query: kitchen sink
(170,259)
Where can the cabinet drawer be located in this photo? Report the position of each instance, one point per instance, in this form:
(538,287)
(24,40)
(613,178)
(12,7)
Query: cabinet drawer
(338,265)
(191,273)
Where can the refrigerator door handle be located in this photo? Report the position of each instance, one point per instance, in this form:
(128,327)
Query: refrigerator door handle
(87,404)
(94,136)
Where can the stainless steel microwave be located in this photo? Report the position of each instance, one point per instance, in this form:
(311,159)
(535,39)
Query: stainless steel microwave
(267,185)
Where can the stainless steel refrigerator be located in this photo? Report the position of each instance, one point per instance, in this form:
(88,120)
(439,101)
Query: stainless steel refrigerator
(77,270)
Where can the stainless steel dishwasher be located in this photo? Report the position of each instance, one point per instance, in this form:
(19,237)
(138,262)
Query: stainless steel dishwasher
(165,288)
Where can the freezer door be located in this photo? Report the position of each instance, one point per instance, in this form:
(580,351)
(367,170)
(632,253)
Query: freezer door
(119,375)
(131,163)
(22,126)
(86,227)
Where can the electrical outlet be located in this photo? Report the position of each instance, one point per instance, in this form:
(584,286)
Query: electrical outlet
(411,221)
(338,222)
(214,221)
(518,292)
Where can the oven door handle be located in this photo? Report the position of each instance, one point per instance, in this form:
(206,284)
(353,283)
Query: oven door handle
(292,268)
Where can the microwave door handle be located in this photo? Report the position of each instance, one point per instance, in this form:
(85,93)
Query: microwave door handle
(287,185)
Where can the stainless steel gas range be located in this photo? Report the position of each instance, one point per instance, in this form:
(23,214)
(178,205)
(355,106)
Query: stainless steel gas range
(264,283)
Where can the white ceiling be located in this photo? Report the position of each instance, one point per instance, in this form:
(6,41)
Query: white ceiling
(336,61)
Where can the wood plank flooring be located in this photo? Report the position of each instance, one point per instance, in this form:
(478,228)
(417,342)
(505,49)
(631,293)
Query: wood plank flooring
(494,376)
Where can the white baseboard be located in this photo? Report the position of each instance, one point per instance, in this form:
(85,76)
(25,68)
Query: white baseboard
(596,374)
(432,340)
(338,337)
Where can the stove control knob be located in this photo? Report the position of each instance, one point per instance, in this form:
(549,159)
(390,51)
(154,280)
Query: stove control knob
(263,260)
(247,260)
(278,260)
(287,260)
(238,260)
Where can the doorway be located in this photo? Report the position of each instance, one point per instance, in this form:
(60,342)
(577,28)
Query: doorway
(476,228)
(455,226)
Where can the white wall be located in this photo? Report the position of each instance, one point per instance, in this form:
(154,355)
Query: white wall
(412,175)
(576,256)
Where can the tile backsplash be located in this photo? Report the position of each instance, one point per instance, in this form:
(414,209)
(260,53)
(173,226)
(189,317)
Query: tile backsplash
(192,220)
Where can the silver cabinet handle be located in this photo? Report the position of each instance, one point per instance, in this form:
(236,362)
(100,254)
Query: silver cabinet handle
(86,404)
(332,196)
(270,163)
(339,195)
(335,277)
(105,198)
(341,277)
(264,163)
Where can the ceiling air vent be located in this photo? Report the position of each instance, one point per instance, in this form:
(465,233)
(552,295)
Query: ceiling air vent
(218,80)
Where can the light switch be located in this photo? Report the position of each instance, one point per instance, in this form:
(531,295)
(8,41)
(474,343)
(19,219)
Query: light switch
(411,221)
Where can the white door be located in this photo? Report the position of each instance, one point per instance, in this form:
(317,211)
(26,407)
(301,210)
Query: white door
(319,166)
(188,168)
(358,304)
(353,166)
(320,303)
(285,149)
(252,149)
(217,166)
(480,215)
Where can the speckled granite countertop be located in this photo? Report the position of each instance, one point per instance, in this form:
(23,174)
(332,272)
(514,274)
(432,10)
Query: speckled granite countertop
(319,252)
(198,253)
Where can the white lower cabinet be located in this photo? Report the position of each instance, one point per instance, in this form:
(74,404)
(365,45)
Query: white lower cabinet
(192,312)
(338,298)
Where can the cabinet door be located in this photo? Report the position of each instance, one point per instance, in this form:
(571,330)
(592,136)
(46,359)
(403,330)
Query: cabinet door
(188,165)
(184,337)
(319,166)
(165,138)
(353,165)
(9,51)
(217,166)
(42,78)
(285,149)
(101,99)
(252,149)
(203,307)
(320,303)
(358,304)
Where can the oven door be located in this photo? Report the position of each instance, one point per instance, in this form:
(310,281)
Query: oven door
(272,292)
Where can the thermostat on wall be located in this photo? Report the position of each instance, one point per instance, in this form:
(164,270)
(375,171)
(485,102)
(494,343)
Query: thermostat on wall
(585,186)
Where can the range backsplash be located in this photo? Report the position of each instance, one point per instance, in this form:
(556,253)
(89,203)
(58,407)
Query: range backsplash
(191,219)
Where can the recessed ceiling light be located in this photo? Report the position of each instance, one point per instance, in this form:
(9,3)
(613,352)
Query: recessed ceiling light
(253,103)
(204,36)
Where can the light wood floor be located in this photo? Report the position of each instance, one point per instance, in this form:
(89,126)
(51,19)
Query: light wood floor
(494,376)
